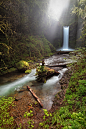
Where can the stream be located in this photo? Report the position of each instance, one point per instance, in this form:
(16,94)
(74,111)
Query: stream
(45,91)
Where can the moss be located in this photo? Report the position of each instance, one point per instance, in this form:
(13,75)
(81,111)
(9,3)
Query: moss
(22,65)
(5,70)
(28,71)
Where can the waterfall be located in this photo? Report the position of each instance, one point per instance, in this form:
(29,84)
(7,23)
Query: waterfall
(65,46)
(65,37)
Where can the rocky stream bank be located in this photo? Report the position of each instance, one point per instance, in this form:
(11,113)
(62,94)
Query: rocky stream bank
(26,102)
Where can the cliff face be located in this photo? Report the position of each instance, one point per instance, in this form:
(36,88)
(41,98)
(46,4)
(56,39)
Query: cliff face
(73,35)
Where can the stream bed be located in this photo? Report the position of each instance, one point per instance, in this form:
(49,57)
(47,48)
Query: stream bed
(17,82)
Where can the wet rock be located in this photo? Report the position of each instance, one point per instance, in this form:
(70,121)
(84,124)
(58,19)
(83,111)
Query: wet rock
(16,99)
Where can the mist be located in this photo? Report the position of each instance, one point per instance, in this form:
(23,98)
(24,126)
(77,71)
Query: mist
(56,7)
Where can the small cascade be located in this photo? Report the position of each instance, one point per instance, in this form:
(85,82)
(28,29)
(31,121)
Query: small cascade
(9,88)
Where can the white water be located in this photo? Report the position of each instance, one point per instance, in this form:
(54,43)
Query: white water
(65,37)
(54,79)
(11,87)
(45,91)
(65,40)
(16,85)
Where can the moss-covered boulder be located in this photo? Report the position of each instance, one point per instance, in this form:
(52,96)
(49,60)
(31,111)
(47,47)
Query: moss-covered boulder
(43,73)
(28,71)
(22,65)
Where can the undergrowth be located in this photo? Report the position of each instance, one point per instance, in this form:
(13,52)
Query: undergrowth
(26,48)
(6,120)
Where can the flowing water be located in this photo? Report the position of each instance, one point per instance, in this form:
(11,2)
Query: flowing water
(66,37)
(65,40)
(9,88)
(45,91)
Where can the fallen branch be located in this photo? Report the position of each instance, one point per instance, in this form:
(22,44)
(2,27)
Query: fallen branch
(35,96)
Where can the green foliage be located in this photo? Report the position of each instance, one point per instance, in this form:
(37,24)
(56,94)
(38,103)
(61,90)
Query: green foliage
(84,101)
(81,91)
(6,121)
(46,119)
(48,47)
(28,114)
(17,28)
(4,52)
(30,122)
(40,124)
(39,46)
(27,48)
(41,69)
(4,70)
(7,48)
(80,11)
(78,120)
(46,113)
(5,28)
(41,73)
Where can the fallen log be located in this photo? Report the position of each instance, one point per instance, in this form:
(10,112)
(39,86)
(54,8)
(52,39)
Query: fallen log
(35,96)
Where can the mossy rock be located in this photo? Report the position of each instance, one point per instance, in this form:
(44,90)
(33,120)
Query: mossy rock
(28,71)
(22,65)
(43,73)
